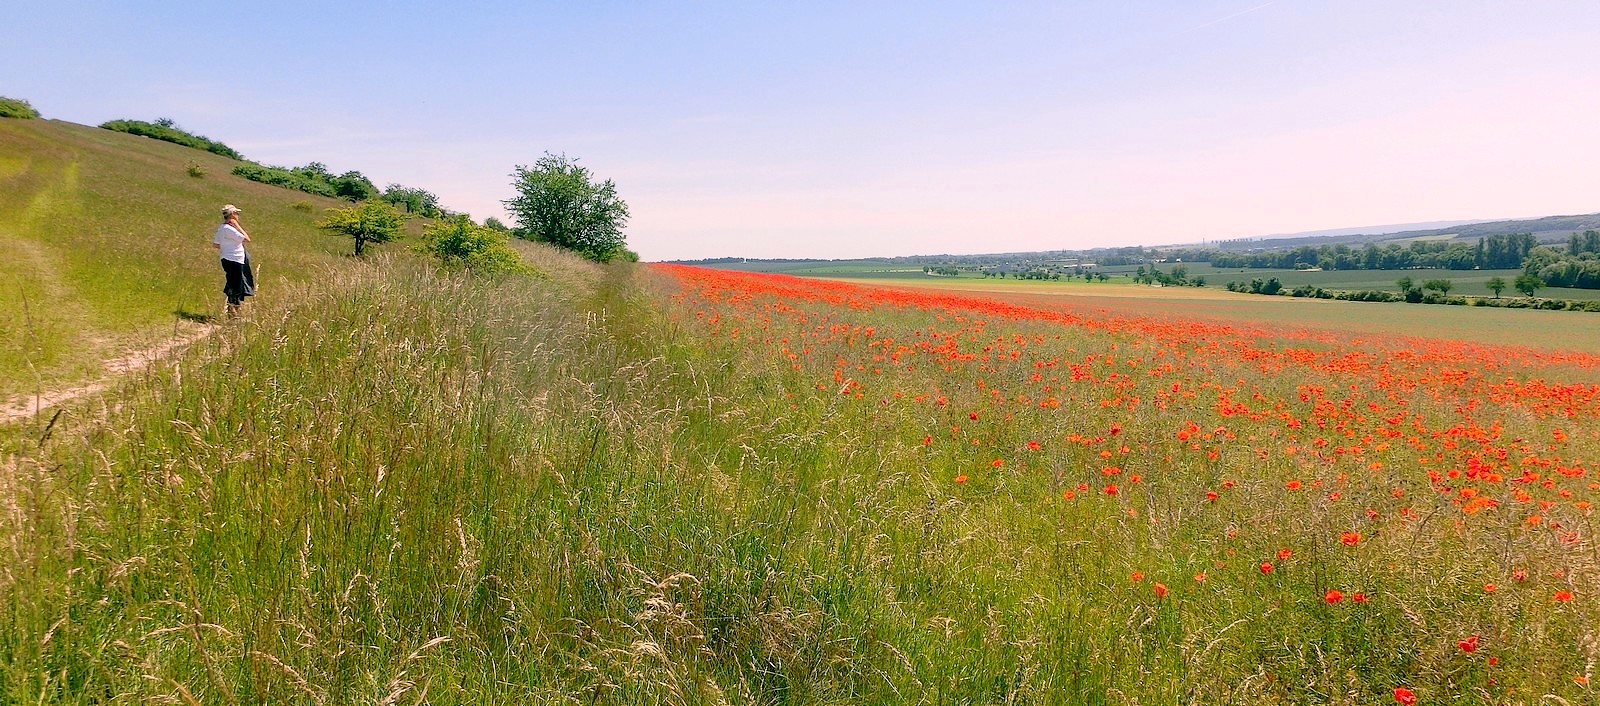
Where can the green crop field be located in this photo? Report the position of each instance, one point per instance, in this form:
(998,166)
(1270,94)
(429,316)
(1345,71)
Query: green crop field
(1556,330)
(1466,282)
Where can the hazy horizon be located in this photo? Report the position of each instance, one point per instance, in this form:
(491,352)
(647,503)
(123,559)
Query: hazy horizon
(838,131)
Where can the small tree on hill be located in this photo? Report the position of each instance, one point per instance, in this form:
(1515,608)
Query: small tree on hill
(559,202)
(1442,286)
(370,222)
(1496,285)
(415,201)
(1528,284)
(354,186)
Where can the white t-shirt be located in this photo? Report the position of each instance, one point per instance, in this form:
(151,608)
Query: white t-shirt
(232,242)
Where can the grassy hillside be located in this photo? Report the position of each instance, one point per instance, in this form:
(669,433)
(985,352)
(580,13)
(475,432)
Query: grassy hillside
(107,238)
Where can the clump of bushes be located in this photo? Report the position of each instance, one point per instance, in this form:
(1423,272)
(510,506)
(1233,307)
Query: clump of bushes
(1369,295)
(460,243)
(1306,290)
(168,131)
(1257,286)
(17,108)
(195,170)
(303,206)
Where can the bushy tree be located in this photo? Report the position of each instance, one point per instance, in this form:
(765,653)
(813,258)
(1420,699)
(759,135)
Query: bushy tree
(1496,285)
(560,203)
(458,242)
(1528,284)
(370,222)
(17,108)
(353,186)
(419,202)
(1442,286)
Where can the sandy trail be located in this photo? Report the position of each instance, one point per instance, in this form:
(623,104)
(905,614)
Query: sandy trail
(21,408)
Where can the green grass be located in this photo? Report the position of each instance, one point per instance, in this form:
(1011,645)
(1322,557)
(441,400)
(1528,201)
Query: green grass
(108,239)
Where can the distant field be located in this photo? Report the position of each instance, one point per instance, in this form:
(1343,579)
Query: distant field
(857,268)
(1466,282)
(1557,330)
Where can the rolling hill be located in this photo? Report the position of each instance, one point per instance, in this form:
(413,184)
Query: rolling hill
(107,246)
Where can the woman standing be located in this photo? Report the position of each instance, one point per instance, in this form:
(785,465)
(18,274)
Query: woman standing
(229,241)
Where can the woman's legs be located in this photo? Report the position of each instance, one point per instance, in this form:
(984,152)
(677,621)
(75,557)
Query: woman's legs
(234,284)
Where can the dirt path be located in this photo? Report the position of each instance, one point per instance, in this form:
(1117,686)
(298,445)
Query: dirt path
(24,407)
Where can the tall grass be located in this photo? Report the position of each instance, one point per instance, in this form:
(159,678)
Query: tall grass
(422,485)
(431,488)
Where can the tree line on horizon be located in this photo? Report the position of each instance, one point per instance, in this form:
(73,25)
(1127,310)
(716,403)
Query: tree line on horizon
(1575,266)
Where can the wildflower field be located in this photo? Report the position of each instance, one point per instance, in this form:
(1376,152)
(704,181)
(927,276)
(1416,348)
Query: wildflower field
(669,485)
(1178,507)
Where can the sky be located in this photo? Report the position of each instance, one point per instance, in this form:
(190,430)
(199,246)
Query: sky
(843,130)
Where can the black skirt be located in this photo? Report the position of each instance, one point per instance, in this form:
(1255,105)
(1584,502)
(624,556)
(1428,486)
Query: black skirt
(241,282)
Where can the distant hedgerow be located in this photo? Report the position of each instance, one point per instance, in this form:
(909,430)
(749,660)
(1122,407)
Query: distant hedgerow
(166,130)
(286,178)
(314,178)
(17,108)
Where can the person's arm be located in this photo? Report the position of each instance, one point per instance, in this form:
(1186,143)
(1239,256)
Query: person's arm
(234,222)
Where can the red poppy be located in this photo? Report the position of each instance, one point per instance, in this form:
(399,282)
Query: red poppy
(1333,595)
(1404,696)
(1470,644)
(1161,590)
(1266,567)
(1350,538)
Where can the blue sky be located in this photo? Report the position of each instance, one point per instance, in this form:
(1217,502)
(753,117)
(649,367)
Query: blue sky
(860,129)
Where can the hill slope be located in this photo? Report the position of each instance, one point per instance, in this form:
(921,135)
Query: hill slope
(107,238)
